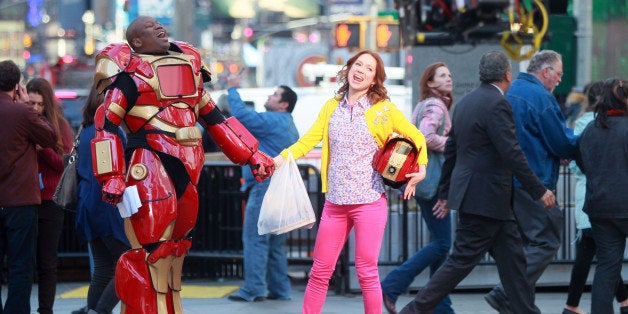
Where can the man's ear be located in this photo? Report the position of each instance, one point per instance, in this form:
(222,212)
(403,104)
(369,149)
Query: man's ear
(284,105)
(136,43)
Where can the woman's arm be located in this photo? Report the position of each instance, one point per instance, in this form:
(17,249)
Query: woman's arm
(433,117)
(51,158)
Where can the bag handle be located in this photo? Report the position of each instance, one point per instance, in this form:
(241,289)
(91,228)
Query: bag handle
(76,139)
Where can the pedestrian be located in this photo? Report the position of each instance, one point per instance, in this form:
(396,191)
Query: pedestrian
(481,156)
(574,105)
(585,242)
(431,115)
(49,214)
(352,126)
(265,261)
(99,222)
(604,161)
(23,130)
(546,141)
(161,165)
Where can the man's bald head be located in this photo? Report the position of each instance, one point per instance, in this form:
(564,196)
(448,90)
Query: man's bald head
(147,35)
(135,29)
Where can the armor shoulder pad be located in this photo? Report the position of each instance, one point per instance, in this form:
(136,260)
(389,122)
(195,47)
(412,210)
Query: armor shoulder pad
(207,75)
(110,62)
(186,48)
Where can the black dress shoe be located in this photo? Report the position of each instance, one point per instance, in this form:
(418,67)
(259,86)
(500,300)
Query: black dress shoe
(623,309)
(235,297)
(497,302)
(567,311)
(82,310)
(389,304)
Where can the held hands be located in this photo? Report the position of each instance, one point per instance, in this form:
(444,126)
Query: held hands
(278,160)
(413,179)
(262,166)
(112,190)
(548,199)
(440,210)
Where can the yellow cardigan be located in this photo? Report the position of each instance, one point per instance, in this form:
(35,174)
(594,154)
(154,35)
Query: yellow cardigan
(382,119)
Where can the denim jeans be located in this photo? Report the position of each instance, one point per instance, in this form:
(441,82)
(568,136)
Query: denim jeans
(49,228)
(585,251)
(432,255)
(265,261)
(610,238)
(18,232)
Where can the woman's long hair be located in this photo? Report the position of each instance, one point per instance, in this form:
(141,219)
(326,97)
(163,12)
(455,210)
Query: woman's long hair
(375,93)
(613,100)
(53,111)
(93,101)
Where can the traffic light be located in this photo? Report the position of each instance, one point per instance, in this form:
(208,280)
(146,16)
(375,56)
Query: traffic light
(387,36)
(352,33)
(349,35)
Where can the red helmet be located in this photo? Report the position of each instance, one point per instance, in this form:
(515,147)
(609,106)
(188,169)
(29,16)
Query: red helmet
(395,160)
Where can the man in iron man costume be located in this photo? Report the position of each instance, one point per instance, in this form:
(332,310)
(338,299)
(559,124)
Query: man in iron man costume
(154,89)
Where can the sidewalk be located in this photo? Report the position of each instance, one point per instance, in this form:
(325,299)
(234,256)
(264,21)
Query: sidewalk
(197,302)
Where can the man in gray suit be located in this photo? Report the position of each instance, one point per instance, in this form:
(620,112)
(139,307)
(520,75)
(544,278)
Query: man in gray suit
(481,156)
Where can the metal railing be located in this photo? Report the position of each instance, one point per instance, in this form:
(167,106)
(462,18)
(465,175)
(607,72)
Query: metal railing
(217,238)
(406,233)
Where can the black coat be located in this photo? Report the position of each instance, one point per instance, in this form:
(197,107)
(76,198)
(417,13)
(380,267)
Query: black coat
(481,156)
(603,158)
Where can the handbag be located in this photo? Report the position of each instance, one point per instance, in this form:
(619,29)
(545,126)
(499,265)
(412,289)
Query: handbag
(66,193)
(427,188)
(286,205)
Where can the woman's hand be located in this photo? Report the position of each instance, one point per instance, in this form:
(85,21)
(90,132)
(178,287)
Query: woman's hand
(440,210)
(278,160)
(413,179)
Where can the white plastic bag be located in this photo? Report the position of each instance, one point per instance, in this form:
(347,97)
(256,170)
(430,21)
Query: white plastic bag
(286,205)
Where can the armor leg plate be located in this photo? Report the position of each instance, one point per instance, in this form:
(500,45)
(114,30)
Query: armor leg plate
(133,284)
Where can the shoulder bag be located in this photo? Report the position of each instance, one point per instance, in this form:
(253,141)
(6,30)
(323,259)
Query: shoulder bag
(66,193)
(427,188)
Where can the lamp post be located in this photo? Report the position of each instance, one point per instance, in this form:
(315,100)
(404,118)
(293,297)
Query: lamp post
(371,43)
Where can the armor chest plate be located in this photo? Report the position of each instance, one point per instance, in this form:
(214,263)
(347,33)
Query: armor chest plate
(170,78)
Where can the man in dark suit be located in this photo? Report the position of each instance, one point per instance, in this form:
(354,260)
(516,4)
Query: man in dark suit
(481,156)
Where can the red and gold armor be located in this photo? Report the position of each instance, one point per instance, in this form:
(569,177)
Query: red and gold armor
(158,99)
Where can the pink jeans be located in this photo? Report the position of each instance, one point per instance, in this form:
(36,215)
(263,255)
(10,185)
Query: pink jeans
(368,221)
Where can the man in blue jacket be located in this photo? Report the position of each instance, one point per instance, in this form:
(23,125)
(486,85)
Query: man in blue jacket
(545,140)
(265,261)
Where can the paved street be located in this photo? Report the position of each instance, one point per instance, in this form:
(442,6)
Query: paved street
(204,296)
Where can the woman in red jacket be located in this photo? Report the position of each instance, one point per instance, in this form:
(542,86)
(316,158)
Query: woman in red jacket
(50,215)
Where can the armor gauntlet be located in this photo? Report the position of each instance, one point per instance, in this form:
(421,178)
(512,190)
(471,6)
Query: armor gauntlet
(240,146)
(108,160)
